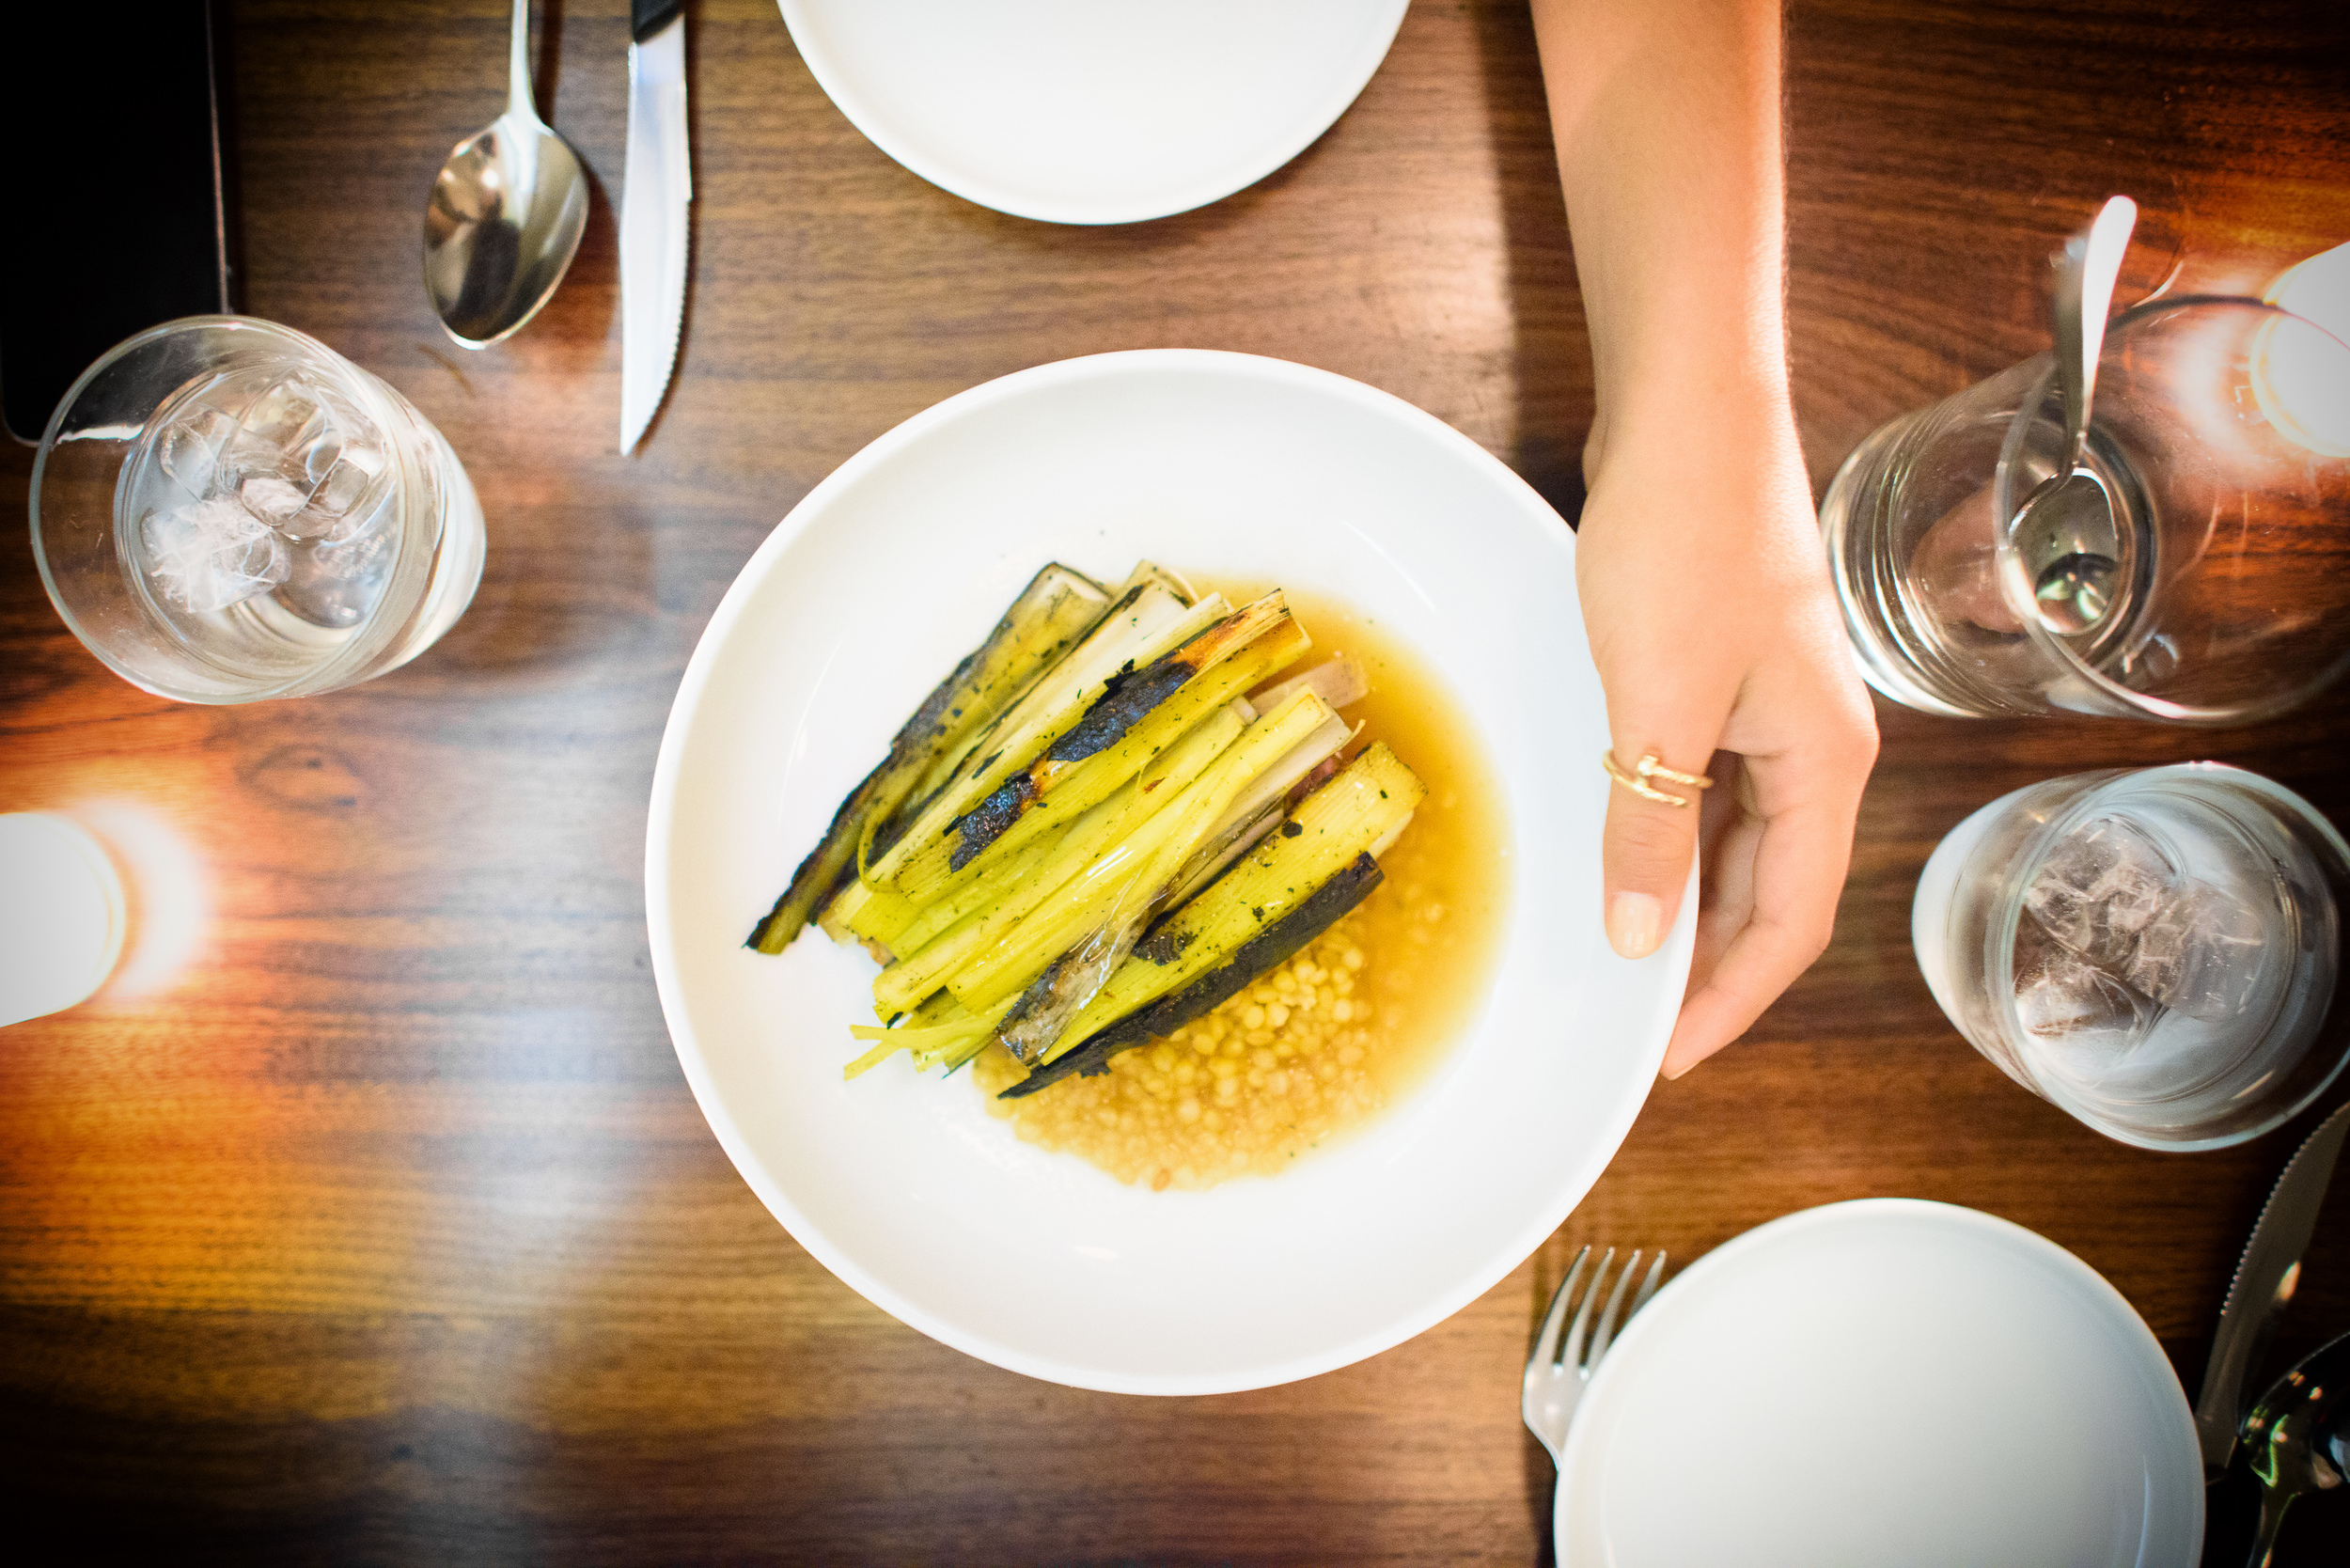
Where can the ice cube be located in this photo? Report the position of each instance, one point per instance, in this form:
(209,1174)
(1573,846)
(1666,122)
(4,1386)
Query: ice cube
(2086,1021)
(2101,887)
(2204,953)
(363,454)
(340,505)
(337,585)
(319,456)
(190,447)
(287,416)
(273,500)
(246,456)
(212,554)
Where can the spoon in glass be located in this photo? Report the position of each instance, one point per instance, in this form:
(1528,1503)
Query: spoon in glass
(506,215)
(2298,1439)
(2064,539)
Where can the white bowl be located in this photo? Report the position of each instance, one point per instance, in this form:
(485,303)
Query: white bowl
(1092,111)
(1885,1381)
(905,1185)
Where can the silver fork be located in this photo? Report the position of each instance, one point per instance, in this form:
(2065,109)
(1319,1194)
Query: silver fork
(1555,1374)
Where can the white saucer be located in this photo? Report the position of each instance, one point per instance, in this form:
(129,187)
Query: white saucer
(1092,111)
(1883,1382)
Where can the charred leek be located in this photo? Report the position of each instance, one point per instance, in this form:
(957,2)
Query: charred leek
(1087,835)
(1286,892)
(1056,609)
(1138,629)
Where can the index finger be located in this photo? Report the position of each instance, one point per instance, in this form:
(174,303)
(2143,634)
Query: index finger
(1799,867)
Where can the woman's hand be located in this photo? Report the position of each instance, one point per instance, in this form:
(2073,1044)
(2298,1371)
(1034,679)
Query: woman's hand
(1705,590)
(1702,578)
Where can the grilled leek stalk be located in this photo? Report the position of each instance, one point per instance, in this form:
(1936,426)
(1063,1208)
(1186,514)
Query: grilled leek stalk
(1131,875)
(1052,612)
(1099,840)
(1255,958)
(1144,573)
(1210,947)
(940,1030)
(1077,976)
(1138,716)
(1138,629)
(1088,835)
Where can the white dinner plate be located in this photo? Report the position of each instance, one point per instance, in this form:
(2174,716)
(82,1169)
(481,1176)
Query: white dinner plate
(1883,1382)
(1092,111)
(903,1185)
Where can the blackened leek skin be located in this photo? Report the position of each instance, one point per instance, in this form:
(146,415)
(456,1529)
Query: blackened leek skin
(1123,702)
(927,875)
(1053,613)
(1261,954)
(1126,699)
(1135,630)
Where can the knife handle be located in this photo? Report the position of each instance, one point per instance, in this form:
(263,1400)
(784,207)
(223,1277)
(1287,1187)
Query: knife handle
(648,17)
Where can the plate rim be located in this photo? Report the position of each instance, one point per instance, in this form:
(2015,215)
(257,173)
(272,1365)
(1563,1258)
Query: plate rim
(1931,1214)
(1675,951)
(983,189)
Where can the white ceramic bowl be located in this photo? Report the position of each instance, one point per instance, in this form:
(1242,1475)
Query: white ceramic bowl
(905,1185)
(1885,1381)
(1092,111)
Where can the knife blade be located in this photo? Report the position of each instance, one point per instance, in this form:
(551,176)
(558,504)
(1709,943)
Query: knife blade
(2263,1284)
(653,213)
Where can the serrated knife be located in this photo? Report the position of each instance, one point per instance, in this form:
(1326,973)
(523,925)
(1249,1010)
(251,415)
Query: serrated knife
(2263,1284)
(660,187)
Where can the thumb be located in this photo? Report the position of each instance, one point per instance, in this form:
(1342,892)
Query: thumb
(1647,845)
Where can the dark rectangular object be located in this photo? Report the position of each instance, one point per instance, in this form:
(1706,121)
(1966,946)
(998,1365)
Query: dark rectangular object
(122,198)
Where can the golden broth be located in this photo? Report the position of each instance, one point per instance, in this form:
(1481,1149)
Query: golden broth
(1358,1017)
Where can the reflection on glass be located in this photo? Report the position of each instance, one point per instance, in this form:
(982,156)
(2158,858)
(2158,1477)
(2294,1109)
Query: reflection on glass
(2298,372)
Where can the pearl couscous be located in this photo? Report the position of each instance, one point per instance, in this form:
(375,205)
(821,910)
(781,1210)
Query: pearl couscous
(1276,1068)
(1347,1025)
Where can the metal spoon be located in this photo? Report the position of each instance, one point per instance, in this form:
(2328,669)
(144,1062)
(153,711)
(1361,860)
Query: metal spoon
(506,215)
(2298,1439)
(2064,540)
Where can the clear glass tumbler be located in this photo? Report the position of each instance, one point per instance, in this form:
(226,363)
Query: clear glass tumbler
(2156,950)
(225,509)
(2217,589)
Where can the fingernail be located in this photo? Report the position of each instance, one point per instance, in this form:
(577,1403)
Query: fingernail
(1634,922)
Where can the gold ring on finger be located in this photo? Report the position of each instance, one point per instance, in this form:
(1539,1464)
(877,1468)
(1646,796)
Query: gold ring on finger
(1637,779)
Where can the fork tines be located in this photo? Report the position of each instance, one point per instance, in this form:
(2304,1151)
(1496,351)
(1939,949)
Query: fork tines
(1584,1346)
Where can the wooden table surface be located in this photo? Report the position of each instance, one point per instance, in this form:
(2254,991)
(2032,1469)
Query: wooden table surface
(373,1222)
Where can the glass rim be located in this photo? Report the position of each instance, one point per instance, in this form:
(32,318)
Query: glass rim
(2007,507)
(353,380)
(2006,917)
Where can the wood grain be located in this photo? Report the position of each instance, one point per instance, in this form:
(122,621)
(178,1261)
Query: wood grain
(381,1227)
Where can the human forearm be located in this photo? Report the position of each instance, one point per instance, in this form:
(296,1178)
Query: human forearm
(1667,119)
(1698,561)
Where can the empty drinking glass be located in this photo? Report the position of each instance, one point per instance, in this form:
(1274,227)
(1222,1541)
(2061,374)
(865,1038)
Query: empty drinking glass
(2212,583)
(2154,950)
(225,509)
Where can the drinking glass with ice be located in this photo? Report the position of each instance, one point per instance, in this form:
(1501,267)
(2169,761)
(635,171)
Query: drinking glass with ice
(2155,951)
(225,509)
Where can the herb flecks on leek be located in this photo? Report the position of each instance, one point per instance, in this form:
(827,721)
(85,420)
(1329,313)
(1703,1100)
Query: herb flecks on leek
(1362,803)
(927,873)
(1135,630)
(1130,875)
(1126,699)
(1077,976)
(1041,627)
(1098,833)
